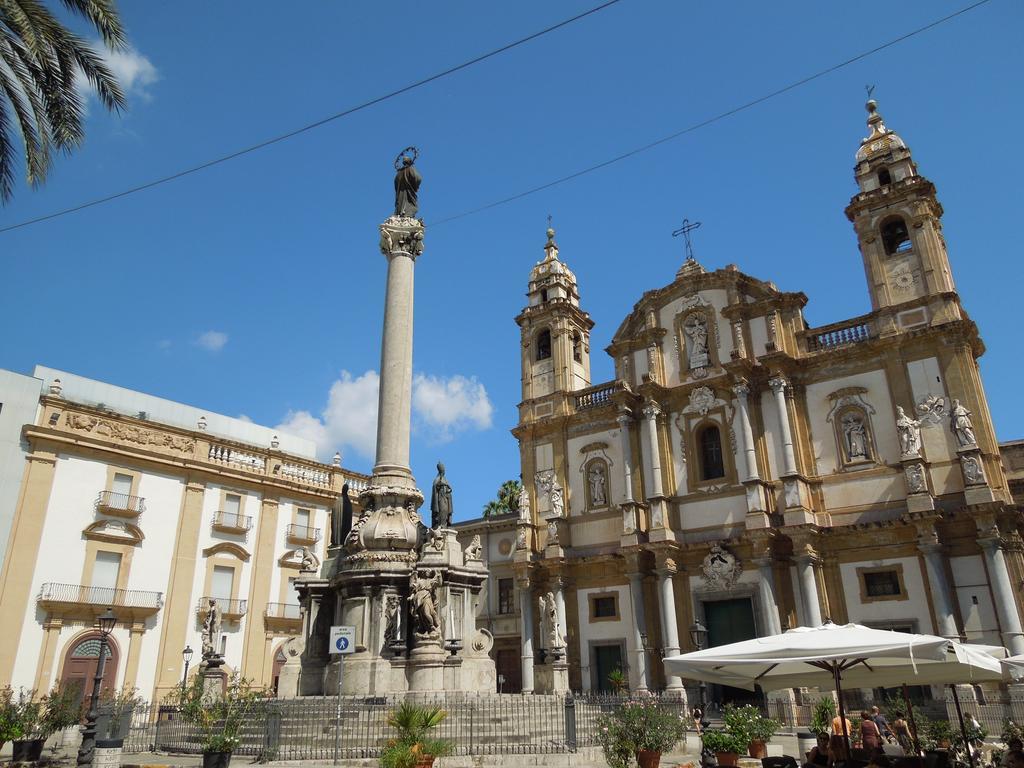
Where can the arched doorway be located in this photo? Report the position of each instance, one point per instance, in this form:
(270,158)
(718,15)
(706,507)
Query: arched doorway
(80,661)
(279,660)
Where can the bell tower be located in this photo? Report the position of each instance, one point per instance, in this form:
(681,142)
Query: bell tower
(897,218)
(554,331)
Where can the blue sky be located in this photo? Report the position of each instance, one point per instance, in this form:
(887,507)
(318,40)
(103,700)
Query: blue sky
(256,287)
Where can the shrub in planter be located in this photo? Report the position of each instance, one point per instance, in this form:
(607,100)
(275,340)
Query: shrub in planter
(821,718)
(117,710)
(727,746)
(617,680)
(219,719)
(748,725)
(640,728)
(415,747)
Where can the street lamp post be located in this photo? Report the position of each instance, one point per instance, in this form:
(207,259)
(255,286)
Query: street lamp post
(187,656)
(105,622)
(699,634)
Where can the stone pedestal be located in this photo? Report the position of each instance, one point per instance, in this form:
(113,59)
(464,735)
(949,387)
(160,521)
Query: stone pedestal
(552,677)
(213,678)
(972,466)
(915,475)
(426,667)
(796,501)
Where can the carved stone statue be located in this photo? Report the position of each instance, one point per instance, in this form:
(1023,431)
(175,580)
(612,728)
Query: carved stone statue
(407,186)
(552,532)
(475,549)
(963,428)
(855,437)
(909,431)
(524,504)
(309,562)
(423,602)
(521,537)
(973,472)
(557,499)
(441,500)
(211,630)
(696,329)
(392,618)
(551,631)
(915,479)
(597,479)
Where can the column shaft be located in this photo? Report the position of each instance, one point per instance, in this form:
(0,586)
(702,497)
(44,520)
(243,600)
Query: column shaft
(772,624)
(669,626)
(942,596)
(559,590)
(636,592)
(526,632)
(395,398)
(809,591)
(651,427)
(746,432)
(1002,590)
(627,457)
(788,457)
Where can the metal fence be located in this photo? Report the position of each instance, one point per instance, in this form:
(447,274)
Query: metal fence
(321,728)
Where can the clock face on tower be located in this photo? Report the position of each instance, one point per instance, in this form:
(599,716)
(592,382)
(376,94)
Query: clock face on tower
(904,278)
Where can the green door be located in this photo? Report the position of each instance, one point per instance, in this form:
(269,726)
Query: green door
(730,621)
(604,660)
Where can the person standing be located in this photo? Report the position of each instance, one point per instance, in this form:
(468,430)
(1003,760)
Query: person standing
(870,736)
(882,723)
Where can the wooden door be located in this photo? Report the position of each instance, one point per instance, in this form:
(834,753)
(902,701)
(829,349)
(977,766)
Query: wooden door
(507,662)
(79,670)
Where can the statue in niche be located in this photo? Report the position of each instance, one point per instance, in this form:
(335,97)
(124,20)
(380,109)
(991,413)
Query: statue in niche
(696,329)
(524,502)
(960,423)
(557,499)
(441,501)
(392,618)
(521,537)
(211,629)
(550,630)
(909,431)
(475,549)
(598,480)
(423,602)
(407,184)
(855,437)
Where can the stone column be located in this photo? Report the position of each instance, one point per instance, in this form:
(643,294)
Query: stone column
(636,593)
(807,565)
(626,444)
(558,588)
(651,414)
(778,385)
(1002,590)
(770,605)
(404,238)
(945,620)
(669,625)
(526,633)
(741,391)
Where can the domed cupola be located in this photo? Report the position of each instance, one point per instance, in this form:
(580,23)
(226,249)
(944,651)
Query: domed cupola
(883,158)
(551,279)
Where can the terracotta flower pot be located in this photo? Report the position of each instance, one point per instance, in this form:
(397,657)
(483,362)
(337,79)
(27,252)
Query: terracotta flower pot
(648,758)
(425,761)
(727,758)
(757,748)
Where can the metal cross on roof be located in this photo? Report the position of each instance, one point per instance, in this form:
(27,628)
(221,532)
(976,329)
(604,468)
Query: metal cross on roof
(870,89)
(685,230)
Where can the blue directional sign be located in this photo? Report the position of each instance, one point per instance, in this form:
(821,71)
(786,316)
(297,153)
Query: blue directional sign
(343,639)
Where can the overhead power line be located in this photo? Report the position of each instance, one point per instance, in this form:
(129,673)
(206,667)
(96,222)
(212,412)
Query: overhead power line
(710,120)
(311,126)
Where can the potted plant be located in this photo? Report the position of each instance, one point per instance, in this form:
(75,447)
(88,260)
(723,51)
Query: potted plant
(822,716)
(726,746)
(27,725)
(116,713)
(617,680)
(414,747)
(750,727)
(218,718)
(9,725)
(640,728)
(939,734)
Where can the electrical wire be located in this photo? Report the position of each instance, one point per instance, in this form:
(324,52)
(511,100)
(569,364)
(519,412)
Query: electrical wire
(710,120)
(311,126)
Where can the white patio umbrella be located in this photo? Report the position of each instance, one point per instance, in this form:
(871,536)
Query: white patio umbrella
(831,655)
(1014,666)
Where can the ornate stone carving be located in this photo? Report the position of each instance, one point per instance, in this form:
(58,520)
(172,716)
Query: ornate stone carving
(909,431)
(211,630)
(721,569)
(423,603)
(557,498)
(598,480)
(702,400)
(551,632)
(435,540)
(310,562)
(914,474)
(791,491)
(778,384)
(552,532)
(524,503)
(83,422)
(401,235)
(482,642)
(855,436)
(962,426)
(652,363)
(651,410)
(391,612)
(474,550)
(521,537)
(931,410)
(974,473)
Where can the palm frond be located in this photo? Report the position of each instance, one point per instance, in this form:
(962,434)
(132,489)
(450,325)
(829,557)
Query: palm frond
(104,17)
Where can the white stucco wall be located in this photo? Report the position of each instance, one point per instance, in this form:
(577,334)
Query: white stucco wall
(970,585)
(615,630)
(913,609)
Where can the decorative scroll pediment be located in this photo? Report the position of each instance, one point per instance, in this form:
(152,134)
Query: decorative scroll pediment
(114,531)
(228,548)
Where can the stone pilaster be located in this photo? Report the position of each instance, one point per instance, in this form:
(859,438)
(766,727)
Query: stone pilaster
(526,632)
(666,572)
(992,545)
(756,507)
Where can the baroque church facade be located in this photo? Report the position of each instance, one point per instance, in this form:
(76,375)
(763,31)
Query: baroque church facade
(752,473)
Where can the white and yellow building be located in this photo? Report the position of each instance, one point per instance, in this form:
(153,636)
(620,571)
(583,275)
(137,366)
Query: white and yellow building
(114,498)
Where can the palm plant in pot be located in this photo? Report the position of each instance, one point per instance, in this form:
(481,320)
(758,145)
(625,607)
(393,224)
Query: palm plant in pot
(218,718)
(640,728)
(414,746)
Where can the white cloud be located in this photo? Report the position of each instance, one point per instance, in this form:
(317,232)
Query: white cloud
(450,405)
(349,420)
(133,71)
(212,341)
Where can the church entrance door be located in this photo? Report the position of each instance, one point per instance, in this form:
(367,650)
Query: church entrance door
(730,621)
(79,670)
(605,659)
(509,669)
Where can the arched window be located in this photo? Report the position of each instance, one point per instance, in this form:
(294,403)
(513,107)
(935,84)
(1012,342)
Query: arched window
(895,237)
(544,294)
(884,179)
(544,345)
(712,462)
(577,347)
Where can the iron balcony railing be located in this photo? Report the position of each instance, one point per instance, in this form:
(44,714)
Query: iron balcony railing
(228,606)
(283,611)
(232,521)
(302,533)
(78,594)
(114,503)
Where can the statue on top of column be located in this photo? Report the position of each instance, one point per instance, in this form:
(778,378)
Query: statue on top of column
(407,183)
(440,501)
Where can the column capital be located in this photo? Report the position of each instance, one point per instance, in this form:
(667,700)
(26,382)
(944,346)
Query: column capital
(651,410)
(624,417)
(741,389)
(778,384)
(666,564)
